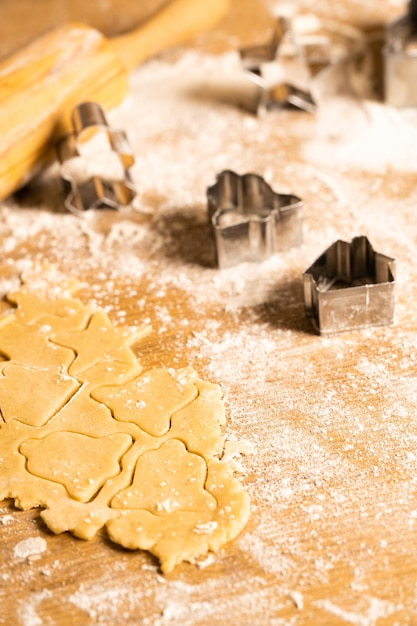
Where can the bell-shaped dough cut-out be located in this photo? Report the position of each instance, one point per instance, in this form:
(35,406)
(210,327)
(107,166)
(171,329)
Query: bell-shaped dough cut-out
(150,400)
(81,463)
(166,480)
(25,344)
(182,534)
(33,396)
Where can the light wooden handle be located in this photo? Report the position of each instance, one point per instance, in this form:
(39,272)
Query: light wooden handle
(39,87)
(41,84)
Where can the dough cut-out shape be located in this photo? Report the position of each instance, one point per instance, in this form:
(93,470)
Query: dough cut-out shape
(153,415)
(80,462)
(31,346)
(167,480)
(21,384)
(99,341)
(97,442)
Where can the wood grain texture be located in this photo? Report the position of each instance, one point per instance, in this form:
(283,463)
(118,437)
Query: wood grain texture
(41,83)
(40,87)
(330,423)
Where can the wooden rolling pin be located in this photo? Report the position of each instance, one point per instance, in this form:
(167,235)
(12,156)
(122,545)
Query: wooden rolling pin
(40,84)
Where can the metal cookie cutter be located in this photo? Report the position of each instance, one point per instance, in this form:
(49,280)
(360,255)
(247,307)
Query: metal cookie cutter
(250,221)
(256,59)
(285,95)
(299,50)
(400,60)
(350,286)
(95,191)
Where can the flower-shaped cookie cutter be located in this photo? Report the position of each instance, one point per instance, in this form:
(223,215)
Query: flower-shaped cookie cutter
(350,286)
(400,60)
(313,44)
(250,221)
(96,191)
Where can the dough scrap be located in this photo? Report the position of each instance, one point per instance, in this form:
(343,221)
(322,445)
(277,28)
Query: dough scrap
(97,442)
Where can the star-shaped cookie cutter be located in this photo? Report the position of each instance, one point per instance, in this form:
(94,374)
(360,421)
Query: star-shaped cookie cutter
(400,60)
(314,51)
(256,58)
(350,286)
(250,221)
(253,56)
(96,191)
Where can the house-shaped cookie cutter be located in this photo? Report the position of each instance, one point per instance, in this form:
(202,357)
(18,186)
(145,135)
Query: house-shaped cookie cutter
(350,286)
(400,60)
(97,191)
(250,221)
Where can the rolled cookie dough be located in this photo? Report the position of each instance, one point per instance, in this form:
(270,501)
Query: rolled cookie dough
(96,441)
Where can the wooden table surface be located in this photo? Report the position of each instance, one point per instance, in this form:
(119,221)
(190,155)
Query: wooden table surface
(324,428)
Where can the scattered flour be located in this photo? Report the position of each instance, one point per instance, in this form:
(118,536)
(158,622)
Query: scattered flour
(30,547)
(27,613)
(377,609)
(324,420)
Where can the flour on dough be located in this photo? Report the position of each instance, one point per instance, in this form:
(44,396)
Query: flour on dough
(96,441)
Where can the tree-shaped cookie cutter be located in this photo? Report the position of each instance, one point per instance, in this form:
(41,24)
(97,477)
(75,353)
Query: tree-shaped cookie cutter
(400,60)
(350,286)
(97,191)
(250,221)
